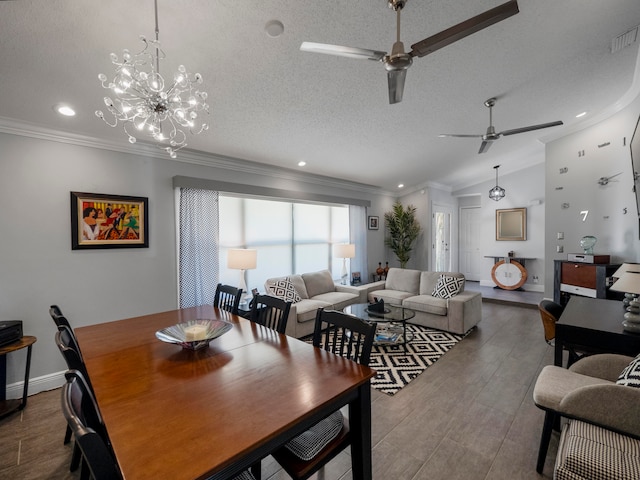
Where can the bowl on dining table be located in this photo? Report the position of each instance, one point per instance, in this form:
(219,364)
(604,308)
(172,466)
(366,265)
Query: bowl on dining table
(194,334)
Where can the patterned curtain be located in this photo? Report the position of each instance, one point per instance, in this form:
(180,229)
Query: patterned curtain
(198,247)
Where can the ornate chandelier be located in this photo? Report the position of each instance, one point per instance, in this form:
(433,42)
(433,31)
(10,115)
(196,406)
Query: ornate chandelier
(497,193)
(145,104)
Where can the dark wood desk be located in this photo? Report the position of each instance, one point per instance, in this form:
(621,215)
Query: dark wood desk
(211,413)
(594,323)
(9,406)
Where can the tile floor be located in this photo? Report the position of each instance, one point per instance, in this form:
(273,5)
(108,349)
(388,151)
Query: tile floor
(469,416)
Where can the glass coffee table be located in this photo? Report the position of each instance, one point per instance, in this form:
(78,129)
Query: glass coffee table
(391,324)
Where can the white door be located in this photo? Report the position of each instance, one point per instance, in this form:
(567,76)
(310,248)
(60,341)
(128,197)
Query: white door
(441,238)
(469,245)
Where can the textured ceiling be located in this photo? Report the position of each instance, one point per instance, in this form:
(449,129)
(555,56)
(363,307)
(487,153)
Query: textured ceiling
(273,104)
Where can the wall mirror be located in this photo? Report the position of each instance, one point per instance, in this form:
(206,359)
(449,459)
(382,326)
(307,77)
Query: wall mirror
(511,224)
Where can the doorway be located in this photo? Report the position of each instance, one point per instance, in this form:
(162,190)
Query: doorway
(441,238)
(469,246)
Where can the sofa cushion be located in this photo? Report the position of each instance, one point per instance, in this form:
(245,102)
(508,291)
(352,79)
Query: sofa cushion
(318,282)
(394,297)
(337,300)
(426,303)
(448,287)
(404,280)
(284,289)
(296,280)
(310,442)
(306,309)
(630,376)
(429,280)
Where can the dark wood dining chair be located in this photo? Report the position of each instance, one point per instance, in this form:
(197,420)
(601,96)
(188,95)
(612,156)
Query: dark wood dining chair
(347,336)
(550,313)
(227,298)
(83,417)
(272,312)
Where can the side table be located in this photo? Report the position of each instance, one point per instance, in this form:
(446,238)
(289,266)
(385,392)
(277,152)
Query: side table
(9,406)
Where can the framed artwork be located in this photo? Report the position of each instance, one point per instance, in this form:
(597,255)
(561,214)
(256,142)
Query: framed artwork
(373,223)
(511,224)
(99,220)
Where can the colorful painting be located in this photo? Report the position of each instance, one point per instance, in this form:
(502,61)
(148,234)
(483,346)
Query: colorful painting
(108,221)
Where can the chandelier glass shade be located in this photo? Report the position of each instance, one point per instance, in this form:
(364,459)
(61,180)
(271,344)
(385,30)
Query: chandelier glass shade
(497,193)
(147,104)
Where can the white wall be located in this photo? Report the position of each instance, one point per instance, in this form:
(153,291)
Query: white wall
(597,151)
(522,188)
(38,267)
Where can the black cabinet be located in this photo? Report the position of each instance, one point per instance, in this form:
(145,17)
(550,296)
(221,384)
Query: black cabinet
(585,279)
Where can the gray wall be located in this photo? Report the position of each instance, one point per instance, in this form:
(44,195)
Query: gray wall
(39,268)
(587,155)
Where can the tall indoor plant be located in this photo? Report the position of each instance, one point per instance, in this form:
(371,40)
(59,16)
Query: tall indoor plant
(403,230)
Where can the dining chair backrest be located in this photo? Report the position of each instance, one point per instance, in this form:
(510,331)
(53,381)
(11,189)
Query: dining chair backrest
(83,417)
(227,298)
(549,313)
(65,342)
(272,312)
(63,324)
(344,335)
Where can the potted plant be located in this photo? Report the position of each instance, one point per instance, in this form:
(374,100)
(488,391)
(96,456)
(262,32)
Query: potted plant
(403,229)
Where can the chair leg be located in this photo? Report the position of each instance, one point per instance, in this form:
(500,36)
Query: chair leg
(67,435)
(545,438)
(256,470)
(75,458)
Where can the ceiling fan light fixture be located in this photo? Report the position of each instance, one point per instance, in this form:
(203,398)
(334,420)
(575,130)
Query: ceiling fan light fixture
(144,102)
(497,193)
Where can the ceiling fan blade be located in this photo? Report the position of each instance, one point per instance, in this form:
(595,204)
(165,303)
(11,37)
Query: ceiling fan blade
(342,51)
(458,135)
(530,128)
(396,85)
(464,29)
(484,146)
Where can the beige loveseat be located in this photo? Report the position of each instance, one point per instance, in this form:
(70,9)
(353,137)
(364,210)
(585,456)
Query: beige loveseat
(413,289)
(315,290)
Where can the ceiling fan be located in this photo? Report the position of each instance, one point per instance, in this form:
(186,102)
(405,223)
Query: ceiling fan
(491,135)
(397,62)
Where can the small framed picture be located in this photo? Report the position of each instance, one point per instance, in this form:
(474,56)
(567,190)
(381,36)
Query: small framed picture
(372,223)
(355,278)
(254,291)
(108,221)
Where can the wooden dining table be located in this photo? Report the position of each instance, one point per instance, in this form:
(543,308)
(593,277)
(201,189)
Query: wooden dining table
(212,413)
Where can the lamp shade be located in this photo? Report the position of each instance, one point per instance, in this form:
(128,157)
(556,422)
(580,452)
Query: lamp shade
(344,250)
(242,259)
(628,282)
(626,267)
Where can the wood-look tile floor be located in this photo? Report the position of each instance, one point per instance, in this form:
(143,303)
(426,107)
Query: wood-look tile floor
(469,416)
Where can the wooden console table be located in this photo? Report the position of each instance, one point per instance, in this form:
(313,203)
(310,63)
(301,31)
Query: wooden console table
(9,406)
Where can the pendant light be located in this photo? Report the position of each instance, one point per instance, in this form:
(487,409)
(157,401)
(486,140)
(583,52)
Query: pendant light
(496,193)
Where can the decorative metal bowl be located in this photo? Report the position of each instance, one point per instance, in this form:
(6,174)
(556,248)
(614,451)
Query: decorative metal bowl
(194,334)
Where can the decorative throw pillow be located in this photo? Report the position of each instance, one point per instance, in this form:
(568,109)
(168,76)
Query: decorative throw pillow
(448,287)
(285,290)
(630,376)
(310,442)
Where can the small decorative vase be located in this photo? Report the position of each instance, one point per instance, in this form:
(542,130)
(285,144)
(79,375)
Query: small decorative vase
(587,242)
(386,268)
(380,270)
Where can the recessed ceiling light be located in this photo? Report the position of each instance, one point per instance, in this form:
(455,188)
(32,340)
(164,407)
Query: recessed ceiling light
(274,28)
(65,110)
(302,164)
(581,114)
(401,185)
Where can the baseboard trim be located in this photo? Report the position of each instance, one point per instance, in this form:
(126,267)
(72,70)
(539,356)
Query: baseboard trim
(36,385)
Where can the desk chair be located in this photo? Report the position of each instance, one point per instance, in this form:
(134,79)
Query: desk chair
(83,417)
(272,312)
(550,313)
(352,338)
(227,298)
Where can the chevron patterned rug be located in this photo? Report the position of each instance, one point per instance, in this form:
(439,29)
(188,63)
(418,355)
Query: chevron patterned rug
(396,368)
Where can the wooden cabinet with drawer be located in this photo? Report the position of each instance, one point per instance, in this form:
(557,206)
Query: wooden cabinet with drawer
(585,279)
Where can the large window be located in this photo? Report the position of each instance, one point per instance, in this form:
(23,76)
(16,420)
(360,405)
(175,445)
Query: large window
(289,237)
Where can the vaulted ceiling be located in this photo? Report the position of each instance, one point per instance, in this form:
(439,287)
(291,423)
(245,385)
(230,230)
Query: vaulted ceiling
(274,104)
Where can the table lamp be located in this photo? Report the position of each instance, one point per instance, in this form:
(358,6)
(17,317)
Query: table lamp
(629,283)
(242,259)
(626,267)
(344,251)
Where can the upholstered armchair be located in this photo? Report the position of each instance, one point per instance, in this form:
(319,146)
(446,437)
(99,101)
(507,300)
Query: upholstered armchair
(588,391)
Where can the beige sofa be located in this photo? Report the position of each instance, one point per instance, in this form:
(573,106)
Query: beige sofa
(316,290)
(413,289)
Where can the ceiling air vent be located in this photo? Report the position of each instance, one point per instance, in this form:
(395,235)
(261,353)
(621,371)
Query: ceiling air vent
(624,40)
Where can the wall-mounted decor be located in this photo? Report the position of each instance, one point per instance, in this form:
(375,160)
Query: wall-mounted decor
(511,224)
(635,163)
(108,221)
(373,223)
